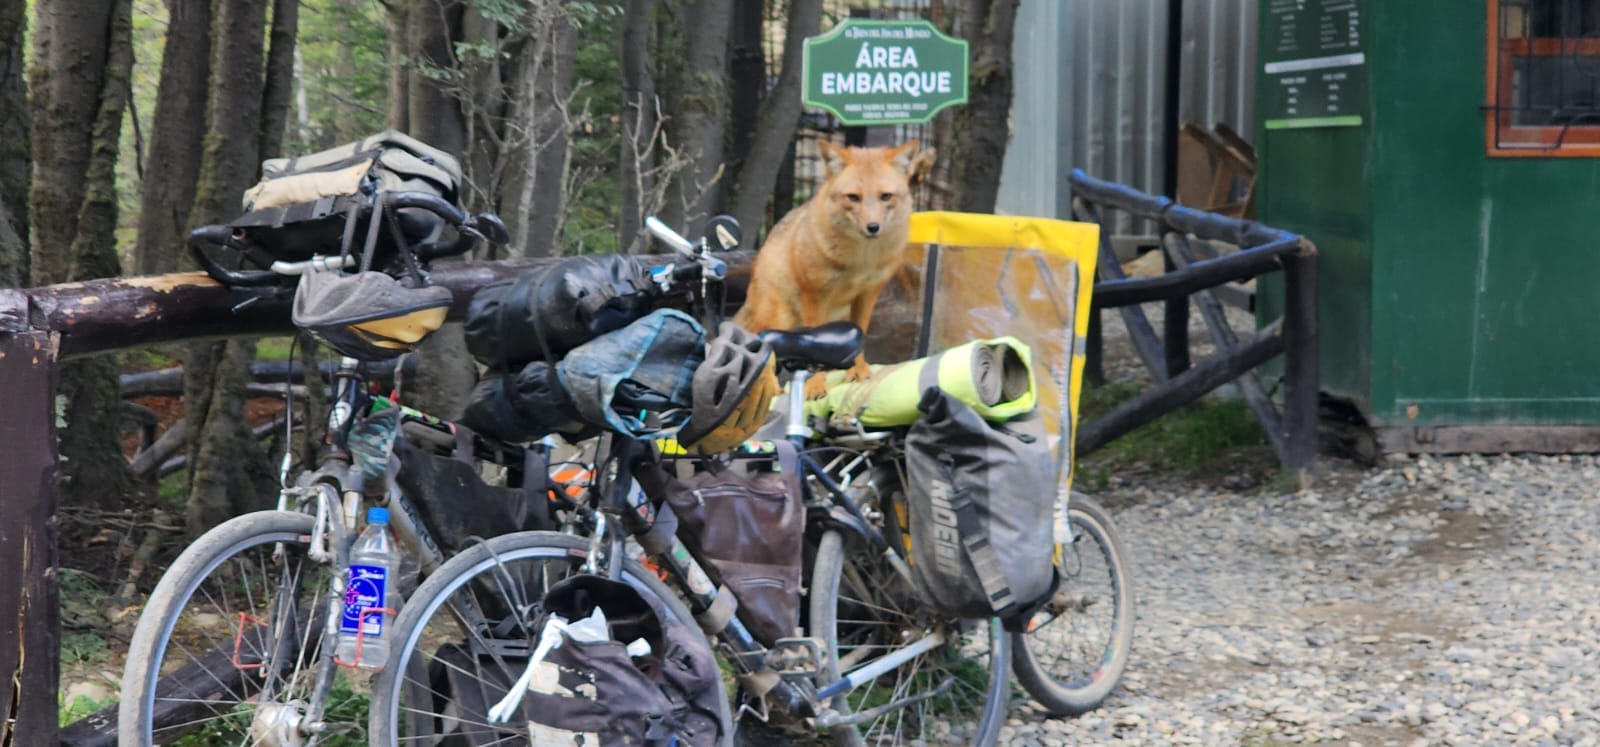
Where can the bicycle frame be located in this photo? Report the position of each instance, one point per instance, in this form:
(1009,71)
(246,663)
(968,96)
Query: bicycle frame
(334,492)
(624,504)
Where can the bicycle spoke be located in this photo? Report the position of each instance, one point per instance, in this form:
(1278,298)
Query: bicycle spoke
(214,678)
(457,719)
(187,724)
(291,608)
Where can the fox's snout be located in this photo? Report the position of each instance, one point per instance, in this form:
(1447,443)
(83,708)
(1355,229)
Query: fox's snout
(872,229)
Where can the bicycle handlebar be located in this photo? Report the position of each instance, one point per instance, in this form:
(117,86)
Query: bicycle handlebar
(700,254)
(223,236)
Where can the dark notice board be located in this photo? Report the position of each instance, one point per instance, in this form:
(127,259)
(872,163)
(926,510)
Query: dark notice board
(1314,73)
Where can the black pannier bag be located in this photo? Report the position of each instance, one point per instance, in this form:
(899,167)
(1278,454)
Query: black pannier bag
(635,380)
(314,204)
(457,505)
(980,497)
(523,406)
(569,302)
(591,693)
(749,524)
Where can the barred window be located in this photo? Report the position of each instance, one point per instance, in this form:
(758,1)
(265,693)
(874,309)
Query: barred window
(1544,78)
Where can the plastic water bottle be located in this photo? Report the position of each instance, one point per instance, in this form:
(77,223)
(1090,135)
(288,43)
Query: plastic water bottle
(373,562)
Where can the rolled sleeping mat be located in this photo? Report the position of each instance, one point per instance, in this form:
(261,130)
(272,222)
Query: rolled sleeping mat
(993,377)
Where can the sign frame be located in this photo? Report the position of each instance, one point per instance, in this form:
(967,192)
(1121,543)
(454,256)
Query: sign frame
(960,80)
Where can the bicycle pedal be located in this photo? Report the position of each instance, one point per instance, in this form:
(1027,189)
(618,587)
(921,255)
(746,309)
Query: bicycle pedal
(795,658)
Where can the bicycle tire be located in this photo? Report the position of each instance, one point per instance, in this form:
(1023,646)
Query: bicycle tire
(460,571)
(174,606)
(1094,572)
(900,609)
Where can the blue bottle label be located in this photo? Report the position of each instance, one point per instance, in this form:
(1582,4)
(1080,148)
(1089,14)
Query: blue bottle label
(365,590)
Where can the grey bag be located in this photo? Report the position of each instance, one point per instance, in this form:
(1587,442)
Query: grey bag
(594,694)
(604,694)
(980,498)
(636,380)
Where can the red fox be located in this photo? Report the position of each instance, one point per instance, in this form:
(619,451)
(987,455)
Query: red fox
(830,258)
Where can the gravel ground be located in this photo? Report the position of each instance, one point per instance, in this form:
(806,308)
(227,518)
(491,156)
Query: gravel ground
(1433,601)
(1429,601)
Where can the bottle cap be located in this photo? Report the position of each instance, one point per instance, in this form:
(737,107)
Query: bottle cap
(376,515)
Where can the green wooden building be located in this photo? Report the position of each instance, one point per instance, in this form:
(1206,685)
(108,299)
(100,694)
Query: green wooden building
(1444,156)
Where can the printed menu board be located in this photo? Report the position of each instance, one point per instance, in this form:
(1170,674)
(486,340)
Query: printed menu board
(1314,73)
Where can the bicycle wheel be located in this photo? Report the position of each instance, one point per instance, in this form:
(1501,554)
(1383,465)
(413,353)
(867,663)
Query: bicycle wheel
(226,648)
(1071,663)
(862,609)
(409,705)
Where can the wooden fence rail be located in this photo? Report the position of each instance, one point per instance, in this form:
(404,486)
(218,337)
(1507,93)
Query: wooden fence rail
(1262,249)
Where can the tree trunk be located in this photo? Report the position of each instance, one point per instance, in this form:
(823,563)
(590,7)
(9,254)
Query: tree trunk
(775,129)
(279,84)
(638,121)
(83,61)
(697,102)
(445,372)
(783,191)
(94,470)
(435,115)
(227,464)
(167,190)
(399,67)
(553,88)
(70,53)
(229,474)
(747,77)
(480,93)
(15,164)
(514,200)
(231,158)
(13,249)
(344,68)
(982,124)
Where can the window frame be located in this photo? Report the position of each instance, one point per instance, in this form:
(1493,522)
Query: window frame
(1504,138)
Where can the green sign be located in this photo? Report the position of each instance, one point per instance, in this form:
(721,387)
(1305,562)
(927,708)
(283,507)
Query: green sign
(1314,71)
(884,72)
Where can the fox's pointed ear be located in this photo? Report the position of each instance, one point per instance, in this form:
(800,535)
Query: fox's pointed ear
(834,158)
(921,166)
(901,157)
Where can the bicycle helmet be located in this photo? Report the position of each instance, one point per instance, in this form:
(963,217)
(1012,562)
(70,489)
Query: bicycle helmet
(368,315)
(732,391)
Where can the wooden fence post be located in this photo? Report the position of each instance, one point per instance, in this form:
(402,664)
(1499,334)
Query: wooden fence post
(1301,369)
(30,612)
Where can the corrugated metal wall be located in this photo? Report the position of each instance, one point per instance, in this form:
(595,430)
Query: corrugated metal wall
(1090,87)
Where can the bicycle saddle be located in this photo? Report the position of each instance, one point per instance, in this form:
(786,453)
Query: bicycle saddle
(834,345)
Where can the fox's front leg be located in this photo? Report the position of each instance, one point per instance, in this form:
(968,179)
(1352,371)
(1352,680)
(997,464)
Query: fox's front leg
(811,315)
(861,314)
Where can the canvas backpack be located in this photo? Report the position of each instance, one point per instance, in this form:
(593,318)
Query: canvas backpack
(980,497)
(322,203)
